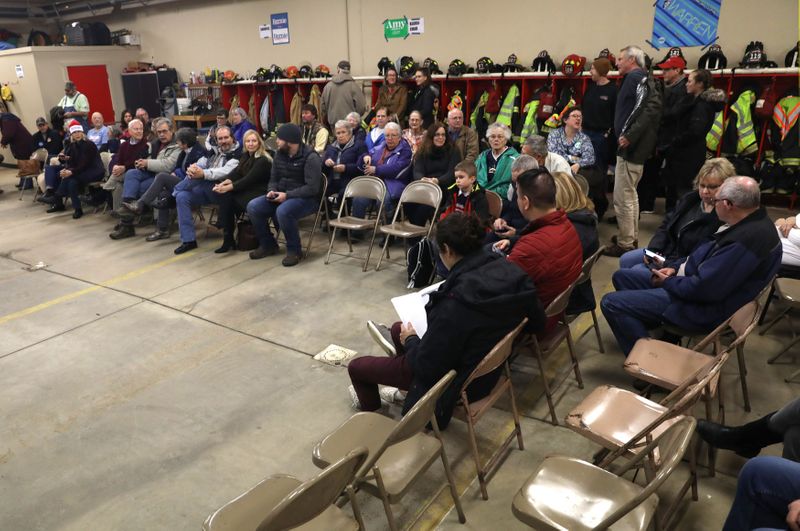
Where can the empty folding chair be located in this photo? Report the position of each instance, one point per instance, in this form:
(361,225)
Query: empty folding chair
(495,203)
(586,276)
(567,493)
(284,502)
(399,452)
(471,412)
(418,192)
(788,292)
(364,187)
(544,347)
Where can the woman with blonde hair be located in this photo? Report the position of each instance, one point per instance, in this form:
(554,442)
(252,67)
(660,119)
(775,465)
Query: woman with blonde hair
(248,181)
(580,211)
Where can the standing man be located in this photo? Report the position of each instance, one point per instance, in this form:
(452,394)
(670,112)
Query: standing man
(674,101)
(635,125)
(75,105)
(342,96)
(464,138)
(294,189)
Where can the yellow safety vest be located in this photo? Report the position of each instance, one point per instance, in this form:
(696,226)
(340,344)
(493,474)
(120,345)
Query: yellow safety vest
(785,116)
(473,119)
(508,108)
(747,143)
(715,134)
(529,126)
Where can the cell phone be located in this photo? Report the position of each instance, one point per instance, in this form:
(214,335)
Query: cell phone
(653,256)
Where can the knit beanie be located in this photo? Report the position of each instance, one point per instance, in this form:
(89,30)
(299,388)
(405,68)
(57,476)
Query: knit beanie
(75,126)
(602,65)
(290,133)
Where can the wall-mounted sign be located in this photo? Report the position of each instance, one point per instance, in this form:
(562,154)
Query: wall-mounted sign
(18,70)
(401,28)
(685,22)
(263,31)
(280,28)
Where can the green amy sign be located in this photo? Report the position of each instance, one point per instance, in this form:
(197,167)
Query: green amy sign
(395,28)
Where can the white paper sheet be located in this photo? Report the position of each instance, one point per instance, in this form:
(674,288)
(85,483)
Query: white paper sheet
(411,308)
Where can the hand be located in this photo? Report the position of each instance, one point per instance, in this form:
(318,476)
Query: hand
(500,225)
(369,170)
(339,168)
(195,172)
(276,197)
(503,245)
(793,518)
(660,275)
(224,187)
(623,142)
(329,163)
(785,225)
(406,331)
(117,170)
(140,164)
(65,174)
(575,168)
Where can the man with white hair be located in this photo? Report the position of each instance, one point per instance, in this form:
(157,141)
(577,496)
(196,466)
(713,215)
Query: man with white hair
(718,278)
(536,147)
(342,95)
(636,120)
(494,164)
(462,136)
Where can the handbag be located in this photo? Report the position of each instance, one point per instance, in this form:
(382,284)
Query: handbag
(28,167)
(246,239)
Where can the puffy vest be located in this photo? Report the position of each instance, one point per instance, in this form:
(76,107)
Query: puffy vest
(746,142)
(785,115)
(529,125)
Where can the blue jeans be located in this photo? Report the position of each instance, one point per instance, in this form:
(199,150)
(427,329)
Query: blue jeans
(51,177)
(197,195)
(136,183)
(285,216)
(632,258)
(766,487)
(71,186)
(632,312)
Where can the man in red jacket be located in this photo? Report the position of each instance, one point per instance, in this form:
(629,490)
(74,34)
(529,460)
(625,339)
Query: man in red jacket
(548,249)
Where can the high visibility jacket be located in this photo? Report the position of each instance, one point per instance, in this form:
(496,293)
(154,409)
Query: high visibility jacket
(785,115)
(509,110)
(529,126)
(555,120)
(746,141)
(479,119)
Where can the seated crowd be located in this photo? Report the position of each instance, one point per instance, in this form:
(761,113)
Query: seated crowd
(713,253)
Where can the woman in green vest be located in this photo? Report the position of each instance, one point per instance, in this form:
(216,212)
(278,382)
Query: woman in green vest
(494,164)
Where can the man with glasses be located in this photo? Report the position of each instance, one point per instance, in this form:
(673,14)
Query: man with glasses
(719,277)
(463,137)
(75,105)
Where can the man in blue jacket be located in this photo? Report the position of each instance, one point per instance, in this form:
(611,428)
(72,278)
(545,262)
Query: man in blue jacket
(718,278)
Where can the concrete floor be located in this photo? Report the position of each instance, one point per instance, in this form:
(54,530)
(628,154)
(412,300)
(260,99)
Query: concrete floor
(140,390)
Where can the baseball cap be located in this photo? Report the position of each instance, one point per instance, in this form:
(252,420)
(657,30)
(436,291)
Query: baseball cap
(673,62)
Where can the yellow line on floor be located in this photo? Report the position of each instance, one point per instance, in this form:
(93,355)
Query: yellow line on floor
(74,295)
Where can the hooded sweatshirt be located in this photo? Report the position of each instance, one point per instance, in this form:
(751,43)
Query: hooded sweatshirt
(340,97)
(483,299)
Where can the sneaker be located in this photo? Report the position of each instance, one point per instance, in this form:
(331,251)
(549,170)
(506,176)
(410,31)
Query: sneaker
(354,398)
(383,337)
(392,395)
(157,235)
(290,260)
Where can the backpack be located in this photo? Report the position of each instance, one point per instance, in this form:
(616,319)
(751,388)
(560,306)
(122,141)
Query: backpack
(421,264)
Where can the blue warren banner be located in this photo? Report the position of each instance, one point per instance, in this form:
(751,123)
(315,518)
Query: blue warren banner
(685,22)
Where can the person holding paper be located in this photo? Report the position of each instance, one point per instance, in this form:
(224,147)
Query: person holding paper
(484,297)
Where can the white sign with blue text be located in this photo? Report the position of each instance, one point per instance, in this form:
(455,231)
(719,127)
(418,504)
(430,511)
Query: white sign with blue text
(280,28)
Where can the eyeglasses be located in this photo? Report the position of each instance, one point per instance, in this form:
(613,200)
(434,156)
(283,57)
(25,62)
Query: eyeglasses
(440,134)
(497,137)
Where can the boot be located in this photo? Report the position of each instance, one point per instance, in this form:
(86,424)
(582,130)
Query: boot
(228,244)
(125,230)
(747,441)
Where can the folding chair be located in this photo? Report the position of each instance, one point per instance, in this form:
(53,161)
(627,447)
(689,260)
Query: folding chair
(399,452)
(284,502)
(788,292)
(598,498)
(586,276)
(31,174)
(785,271)
(544,347)
(366,187)
(471,412)
(419,192)
(495,203)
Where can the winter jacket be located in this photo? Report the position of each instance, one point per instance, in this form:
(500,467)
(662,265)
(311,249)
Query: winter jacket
(467,143)
(51,141)
(15,136)
(502,174)
(394,170)
(166,157)
(550,251)
(251,176)
(349,154)
(240,129)
(641,98)
(584,222)
(475,203)
(218,165)
(370,143)
(195,153)
(724,274)
(675,101)
(686,153)
(340,97)
(423,99)
(439,163)
(482,300)
(394,98)
(511,213)
(299,175)
(84,159)
(676,242)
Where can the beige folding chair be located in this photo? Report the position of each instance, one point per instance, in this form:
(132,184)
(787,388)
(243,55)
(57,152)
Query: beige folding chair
(567,493)
(399,452)
(788,292)
(40,156)
(284,502)
(366,187)
(471,412)
(495,203)
(543,348)
(322,208)
(622,422)
(419,192)
(586,276)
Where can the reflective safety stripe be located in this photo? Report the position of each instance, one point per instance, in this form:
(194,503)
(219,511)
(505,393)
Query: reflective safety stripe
(714,135)
(747,142)
(473,118)
(529,126)
(508,108)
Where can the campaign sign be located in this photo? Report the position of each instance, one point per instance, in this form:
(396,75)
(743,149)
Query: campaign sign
(685,22)
(280,28)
